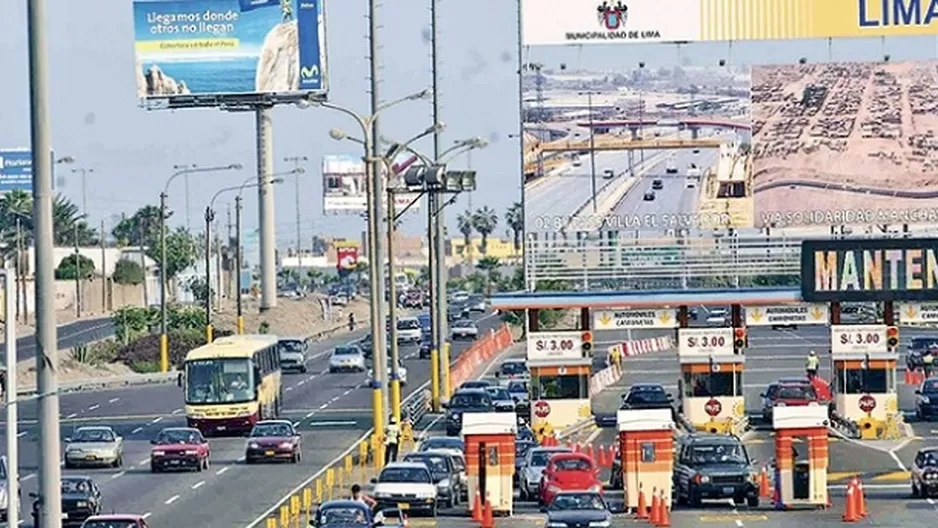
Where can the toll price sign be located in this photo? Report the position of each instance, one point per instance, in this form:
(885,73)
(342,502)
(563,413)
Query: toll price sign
(705,341)
(858,339)
(555,345)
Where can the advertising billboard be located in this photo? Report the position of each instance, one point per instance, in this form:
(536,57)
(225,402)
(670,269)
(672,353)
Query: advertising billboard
(578,22)
(670,150)
(16,170)
(346,255)
(845,144)
(188,48)
(344,186)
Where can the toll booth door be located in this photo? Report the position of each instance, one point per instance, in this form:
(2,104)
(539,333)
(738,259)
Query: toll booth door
(483,470)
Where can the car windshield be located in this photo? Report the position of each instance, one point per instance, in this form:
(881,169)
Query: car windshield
(75,487)
(464,324)
(919,343)
(464,400)
(512,368)
(930,386)
(408,324)
(498,393)
(796,392)
(346,351)
(647,396)
(541,458)
(110,524)
(271,430)
(343,516)
(572,464)
(177,436)
(291,346)
(93,435)
(405,474)
(772,391)
(518,386)
(440,442)
(219,381)
(930,459)
(719,454)
(577,501)
(436,464)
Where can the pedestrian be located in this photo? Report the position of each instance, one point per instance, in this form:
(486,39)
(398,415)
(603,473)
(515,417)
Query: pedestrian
(928,361)
(812,364)
(359,496)
(392,437)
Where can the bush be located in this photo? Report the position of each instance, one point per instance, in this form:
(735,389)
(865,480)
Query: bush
(141,354)
(67,270)
(97,353)
(185,318)
(132,322)
(128,272)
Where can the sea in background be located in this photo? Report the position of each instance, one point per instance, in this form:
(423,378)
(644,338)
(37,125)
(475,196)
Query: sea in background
(212,76)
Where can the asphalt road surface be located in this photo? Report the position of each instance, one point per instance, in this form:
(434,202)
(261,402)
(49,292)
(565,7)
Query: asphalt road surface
(69,335)
(331,410)
(674,197)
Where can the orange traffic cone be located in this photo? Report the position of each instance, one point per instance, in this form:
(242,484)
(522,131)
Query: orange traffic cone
(664,517)
(477,509)
(488,517)
(908,377)
(642,511)
(764,490)
(861,499)
(851,514)
(653,515)
(589,452)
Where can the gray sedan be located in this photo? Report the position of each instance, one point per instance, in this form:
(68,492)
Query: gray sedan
(94,446)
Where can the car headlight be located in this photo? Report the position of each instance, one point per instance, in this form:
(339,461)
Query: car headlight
(254,445)
(73,450)
(285,445)
(382,495)
(81,504)
(556,525)
(703,479)
(596,489)
(445,483)
(159,453)
(931,476)
(192,453)
(924,399)
(780,404)
(599,524)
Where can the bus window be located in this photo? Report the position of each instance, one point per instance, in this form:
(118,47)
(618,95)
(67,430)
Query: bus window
(219,381)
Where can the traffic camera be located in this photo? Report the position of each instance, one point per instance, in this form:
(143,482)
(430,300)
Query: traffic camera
(437,178)
(739,340)
(892,336)
(587,343)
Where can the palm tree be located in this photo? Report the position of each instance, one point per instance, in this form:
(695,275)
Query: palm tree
(489,266)
(18,205)
(485,221)
(464,220)
(514,217)
(141,229)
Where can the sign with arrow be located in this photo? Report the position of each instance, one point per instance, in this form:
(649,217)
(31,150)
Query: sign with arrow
(619,319)
(918,313)
(788,314)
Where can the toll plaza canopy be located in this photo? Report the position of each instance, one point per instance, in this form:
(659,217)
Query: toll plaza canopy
(646,298)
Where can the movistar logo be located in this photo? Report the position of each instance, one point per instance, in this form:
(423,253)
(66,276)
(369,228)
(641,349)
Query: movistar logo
(311,72)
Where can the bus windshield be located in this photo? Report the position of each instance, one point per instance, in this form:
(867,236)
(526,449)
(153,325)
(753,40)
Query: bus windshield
(219,381)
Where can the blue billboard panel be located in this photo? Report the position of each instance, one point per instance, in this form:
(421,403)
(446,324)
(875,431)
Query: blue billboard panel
(229,47)
(16,170)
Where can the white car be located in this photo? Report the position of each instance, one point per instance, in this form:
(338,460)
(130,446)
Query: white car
(408,330)
(464,329)
(405,483)
(459,297)
(532,469)
(459,464)
(347,358)
(401,373)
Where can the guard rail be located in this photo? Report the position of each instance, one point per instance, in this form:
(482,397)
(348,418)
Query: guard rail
(843,426)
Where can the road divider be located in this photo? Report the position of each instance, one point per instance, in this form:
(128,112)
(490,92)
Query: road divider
(110,382)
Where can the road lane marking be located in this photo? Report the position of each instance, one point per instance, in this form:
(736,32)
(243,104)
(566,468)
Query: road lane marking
(289,389)
(113,400)
(323,406)
(177,411)
(325,424)
(137,430)
(198,484)
(310,414)
(146,515)
(71,416)
(222,470)
(296,424)
(28,477)
(895,476)
(21,434)
(171,500)
(301,383)
(242,459)
(143,462)
(94,407)
(118,475)
(157,420)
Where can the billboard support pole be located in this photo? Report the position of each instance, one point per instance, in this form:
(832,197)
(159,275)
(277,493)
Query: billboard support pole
(265,198)
(47,356)
(437,240)
(238,261)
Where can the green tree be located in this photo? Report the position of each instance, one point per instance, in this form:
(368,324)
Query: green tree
(465,227)
(485,221)
(18,205)
(141,229)
(68,270)
(489,266)
(514,217)
(128,272)
(199,290)
(181,252)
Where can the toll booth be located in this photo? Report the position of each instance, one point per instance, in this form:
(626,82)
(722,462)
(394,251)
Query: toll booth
(490,458)
(560,379)
(711,385)
(646,445)
(801,456)
(864,387)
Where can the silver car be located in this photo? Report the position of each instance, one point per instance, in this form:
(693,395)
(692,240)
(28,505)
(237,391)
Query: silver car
(464,329)
(532,469)
(293,354)
(4,507)
(347,359)
(94,446)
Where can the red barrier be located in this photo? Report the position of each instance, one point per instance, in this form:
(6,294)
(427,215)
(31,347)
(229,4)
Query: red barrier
(481,351)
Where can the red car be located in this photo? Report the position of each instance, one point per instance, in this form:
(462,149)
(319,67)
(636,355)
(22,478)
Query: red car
(791,392)
(569,472)
(116,520)
(179,448)
(274,440)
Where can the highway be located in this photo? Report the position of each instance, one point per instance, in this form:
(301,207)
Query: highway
(69,335)
(675,198)
(331,410)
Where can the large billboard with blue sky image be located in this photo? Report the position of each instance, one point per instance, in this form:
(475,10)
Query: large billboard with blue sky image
(229,47)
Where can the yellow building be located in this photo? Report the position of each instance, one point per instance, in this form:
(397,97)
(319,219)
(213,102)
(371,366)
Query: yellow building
(500,248)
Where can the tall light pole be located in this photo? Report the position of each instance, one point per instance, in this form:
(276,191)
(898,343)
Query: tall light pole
(388,161)
(84,187)
(589,105)
(375,254)
(164,336)
(297,161)
(78,277)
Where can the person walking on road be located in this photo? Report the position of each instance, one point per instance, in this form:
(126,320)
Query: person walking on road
(928,361)
(392,438)
(351,322)
(812,365)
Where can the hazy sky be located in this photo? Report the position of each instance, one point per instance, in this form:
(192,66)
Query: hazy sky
(96,118)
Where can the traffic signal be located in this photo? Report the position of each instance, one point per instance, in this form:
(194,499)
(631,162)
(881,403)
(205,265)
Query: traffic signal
(739,339)
(587,342)
(892,336)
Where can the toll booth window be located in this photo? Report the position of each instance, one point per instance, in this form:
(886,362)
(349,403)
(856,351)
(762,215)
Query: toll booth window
(648,452)
(703,384)
(570,387)
(860,381)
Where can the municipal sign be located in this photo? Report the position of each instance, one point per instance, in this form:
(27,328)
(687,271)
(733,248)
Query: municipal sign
(787,314)
(918,313)
(858,339)
(555,345)
(705,341)
(618,319)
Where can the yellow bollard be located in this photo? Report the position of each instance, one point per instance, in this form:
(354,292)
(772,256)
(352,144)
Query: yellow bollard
(164,353)
(240,325)
(284,516)
(209,333)
(308,504)
(435,380)
(340,477)
(445,363)
(319,491)
(330,482)
(295,510)
(377,403)
(350,467)
(363,459)
(271,522)
(396,399)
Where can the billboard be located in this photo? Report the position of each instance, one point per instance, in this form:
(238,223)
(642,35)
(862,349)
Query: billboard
(344,186)
(670,150)
(223,48)
(346,255)
(845,144)
(16,170)
(578,22)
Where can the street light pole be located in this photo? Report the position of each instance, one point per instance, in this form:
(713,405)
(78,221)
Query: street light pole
(180,170)
(209,217)
(238,260)
(297,160)
(84,187)
(77,272)
(12,434)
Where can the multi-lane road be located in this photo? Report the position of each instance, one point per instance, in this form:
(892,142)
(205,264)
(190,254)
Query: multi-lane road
(69,335)
(331,410)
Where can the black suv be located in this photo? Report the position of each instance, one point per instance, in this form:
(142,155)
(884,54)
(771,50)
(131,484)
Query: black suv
(918,347)
(466,401)
(710,466)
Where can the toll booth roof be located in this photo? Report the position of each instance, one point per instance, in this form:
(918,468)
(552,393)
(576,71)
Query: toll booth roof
(800,417)
(700,359)
(560,362)
(876,356)
(644,420)
(633,299)
(489,423)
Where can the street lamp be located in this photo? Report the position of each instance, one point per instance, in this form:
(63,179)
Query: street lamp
(375,260)
(84,187)
(78,277)
(209,217)
(297,160)
(164,337)
(589,105)
(388,160)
